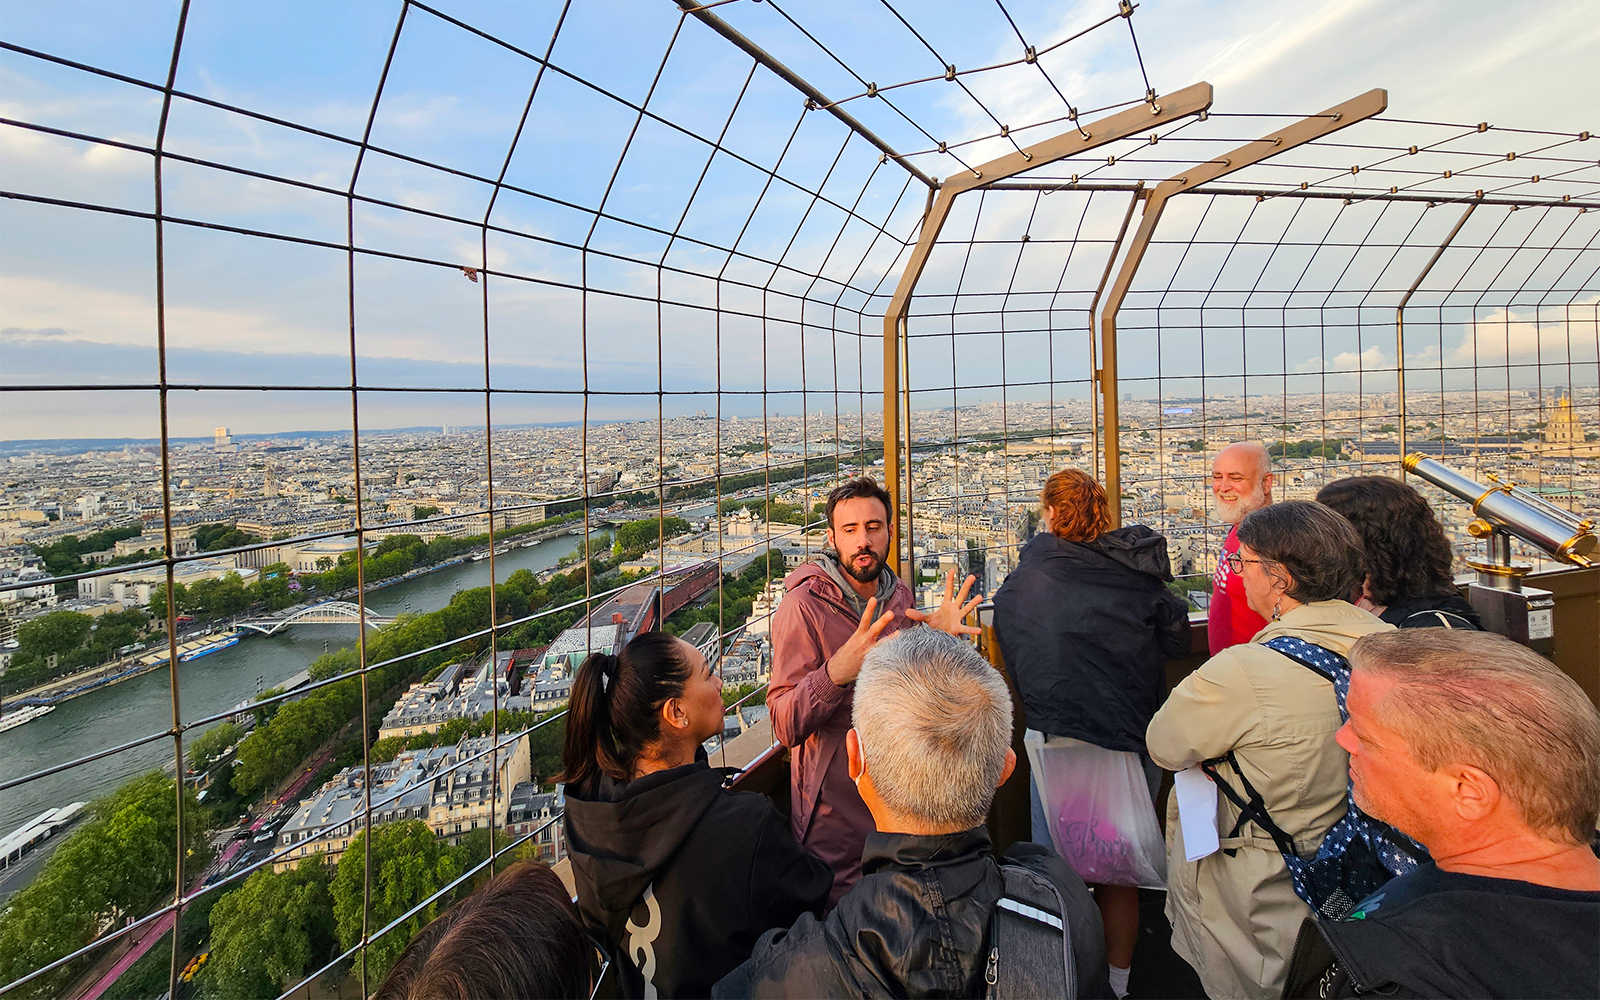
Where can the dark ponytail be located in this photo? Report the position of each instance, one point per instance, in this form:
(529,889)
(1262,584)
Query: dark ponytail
(615,711)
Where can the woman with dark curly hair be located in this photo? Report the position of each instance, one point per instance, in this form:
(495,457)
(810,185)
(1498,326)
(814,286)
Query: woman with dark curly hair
(516,936)
(1407,556)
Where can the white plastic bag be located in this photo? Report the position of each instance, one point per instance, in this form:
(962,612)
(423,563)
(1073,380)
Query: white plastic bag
(1101,819)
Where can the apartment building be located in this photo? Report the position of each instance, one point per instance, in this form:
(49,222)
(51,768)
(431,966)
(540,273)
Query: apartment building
(454,789)
(537,816)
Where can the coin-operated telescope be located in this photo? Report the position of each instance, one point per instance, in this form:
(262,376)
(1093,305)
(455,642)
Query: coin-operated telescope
(1500,511)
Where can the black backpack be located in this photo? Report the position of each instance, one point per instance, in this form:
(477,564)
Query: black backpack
(1359,854)
(1030,942)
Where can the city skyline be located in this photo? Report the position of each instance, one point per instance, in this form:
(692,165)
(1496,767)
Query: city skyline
(368,367)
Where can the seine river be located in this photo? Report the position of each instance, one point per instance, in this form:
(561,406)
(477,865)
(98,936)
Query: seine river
(142,706)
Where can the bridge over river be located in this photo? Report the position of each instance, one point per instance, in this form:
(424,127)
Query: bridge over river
(326,613)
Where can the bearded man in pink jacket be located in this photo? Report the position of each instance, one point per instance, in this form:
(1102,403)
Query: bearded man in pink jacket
(837,608)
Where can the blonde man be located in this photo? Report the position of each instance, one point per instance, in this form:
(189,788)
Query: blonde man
(1489,756)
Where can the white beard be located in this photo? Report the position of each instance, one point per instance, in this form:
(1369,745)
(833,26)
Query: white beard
(1248,503)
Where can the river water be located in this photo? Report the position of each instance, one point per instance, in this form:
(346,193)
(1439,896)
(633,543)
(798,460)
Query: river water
(142,706)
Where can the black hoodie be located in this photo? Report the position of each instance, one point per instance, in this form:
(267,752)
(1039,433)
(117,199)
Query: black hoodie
(1086,628)
(679,876)
(1417,612)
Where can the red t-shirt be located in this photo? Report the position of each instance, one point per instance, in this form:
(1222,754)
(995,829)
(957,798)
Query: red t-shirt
(1231,621)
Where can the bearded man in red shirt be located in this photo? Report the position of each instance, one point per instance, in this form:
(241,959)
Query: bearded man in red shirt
(1241,481)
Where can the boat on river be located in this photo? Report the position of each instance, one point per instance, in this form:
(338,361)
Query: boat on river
(208,648)
(27,713)
(21,841)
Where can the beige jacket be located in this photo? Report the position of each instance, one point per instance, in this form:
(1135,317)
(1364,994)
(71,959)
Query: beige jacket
(1235,918)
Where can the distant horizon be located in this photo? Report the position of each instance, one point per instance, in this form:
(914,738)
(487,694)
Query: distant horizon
(16,446)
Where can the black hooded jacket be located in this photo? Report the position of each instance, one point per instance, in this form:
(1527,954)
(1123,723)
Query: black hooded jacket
(1086,628)
(916,925)
(678,875)
(1433,933)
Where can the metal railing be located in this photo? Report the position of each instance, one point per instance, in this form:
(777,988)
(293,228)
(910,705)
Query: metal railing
(1280,283)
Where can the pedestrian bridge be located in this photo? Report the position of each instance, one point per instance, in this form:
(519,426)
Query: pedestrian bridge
(326,613)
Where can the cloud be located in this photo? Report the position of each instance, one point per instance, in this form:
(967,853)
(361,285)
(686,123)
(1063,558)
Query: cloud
(134,413)
(96,315)
(412,114)
(1371,359)
(1552,335)
(81,312)
(20,334)
(1301,26)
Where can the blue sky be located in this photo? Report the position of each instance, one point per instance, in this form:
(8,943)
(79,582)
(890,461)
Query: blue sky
(77,288)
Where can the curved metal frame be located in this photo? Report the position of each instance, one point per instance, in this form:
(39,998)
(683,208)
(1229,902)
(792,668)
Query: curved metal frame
(1373,102)
(1180,104)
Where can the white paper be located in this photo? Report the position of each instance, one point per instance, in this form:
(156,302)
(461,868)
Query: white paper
(1197,809)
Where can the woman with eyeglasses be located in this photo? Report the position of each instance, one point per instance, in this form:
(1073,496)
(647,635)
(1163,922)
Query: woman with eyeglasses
(676,874)
(1234,912)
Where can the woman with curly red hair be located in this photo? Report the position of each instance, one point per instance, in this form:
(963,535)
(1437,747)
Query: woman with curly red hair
(1086,623)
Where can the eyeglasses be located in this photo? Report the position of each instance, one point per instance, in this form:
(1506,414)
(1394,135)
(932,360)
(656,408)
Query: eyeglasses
(1236,562)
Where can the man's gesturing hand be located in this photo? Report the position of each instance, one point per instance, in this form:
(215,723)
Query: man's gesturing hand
(953,611)
(845,663)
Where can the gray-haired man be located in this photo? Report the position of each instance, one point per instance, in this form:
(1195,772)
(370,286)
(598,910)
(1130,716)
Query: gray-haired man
(931,742)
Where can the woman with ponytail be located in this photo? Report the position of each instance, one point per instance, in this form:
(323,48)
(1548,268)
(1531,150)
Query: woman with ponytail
(676,874)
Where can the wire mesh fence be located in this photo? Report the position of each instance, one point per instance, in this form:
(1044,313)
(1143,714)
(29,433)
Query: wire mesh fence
(547,306)
(1274,306)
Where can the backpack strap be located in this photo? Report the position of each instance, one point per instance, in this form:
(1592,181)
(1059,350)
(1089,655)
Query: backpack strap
(1320,660)
(1030,912)
(1328,665)
(1252,809)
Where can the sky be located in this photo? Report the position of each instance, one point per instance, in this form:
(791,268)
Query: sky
(253,314)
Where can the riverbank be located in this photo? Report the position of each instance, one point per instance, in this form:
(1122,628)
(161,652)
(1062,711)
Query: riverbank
(77,685)
(138,706)
(60,689)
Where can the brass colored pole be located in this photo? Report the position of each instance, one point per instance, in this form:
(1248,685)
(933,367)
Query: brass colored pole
(1094,360)
(1400,331)
(1356,109)
(1180,104)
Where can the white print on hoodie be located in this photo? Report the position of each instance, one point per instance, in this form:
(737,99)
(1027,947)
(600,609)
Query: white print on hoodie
(641,939)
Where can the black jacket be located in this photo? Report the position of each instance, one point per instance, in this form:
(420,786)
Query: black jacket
(1086,629)
(915,926)
(1412,612)
(1444,934)
(719,868)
